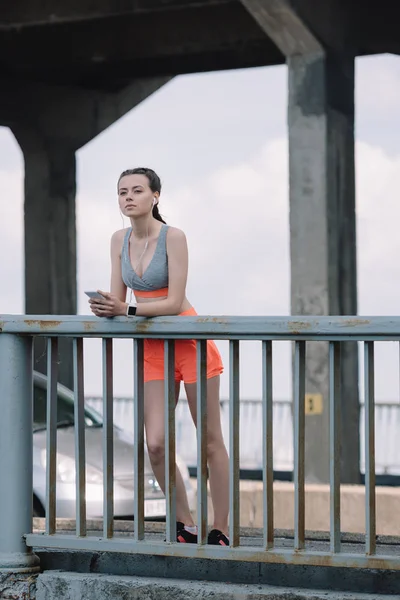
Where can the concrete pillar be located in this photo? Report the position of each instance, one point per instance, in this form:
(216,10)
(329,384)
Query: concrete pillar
(323,238)
(50,238)
(322,211)
(16,458)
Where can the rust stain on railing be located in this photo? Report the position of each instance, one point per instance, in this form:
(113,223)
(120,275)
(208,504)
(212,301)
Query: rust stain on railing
(211,320)
(42,324)
(356,322)
(144,325)
(296,327)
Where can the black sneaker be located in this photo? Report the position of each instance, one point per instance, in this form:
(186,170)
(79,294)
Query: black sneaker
(183,535)
(217,538)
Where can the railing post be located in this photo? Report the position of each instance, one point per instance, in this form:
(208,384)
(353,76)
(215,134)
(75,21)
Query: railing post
(16,442)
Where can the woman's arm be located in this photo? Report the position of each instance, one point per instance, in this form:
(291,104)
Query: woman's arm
(114,302)
(177,252)
(118,288)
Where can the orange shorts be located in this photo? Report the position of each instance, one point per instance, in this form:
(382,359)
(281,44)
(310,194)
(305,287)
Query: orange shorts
(185,358)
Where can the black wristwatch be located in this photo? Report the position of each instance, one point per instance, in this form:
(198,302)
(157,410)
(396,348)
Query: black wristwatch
(131,309)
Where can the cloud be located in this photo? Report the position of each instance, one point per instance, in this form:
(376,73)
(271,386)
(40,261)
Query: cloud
(377,99)
(378,214)
(236,222)
(11,246)
(378,85)
(97,217)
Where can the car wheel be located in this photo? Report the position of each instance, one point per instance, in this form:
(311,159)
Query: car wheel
(38,510)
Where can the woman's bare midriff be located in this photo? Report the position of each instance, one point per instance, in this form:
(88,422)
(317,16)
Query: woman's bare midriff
(185,304)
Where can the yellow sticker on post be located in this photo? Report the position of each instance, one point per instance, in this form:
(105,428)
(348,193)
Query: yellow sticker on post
(314,404)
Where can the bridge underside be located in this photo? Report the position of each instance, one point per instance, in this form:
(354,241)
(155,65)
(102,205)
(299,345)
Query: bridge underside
(104,45)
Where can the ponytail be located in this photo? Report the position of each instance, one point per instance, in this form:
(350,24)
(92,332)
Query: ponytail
(156,214)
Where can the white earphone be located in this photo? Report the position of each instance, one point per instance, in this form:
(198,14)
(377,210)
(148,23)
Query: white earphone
(154,200)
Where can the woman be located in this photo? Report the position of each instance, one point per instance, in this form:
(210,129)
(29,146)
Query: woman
(151,259)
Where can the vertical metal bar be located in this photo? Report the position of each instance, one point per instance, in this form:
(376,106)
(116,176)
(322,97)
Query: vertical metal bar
(79,418)
(234,462)
(334,444)
(138,433)
(369,411)
(170,490)
(299,435)
(268,474)
(51,434)
(16,387)
(108,439)
(202,441)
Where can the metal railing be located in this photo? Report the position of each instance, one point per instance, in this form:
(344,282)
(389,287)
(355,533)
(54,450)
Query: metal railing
(16,338)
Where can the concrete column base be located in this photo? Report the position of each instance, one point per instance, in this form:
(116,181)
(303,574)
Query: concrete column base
(19,562)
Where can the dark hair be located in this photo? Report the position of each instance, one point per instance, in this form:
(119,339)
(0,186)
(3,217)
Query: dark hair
(154,184)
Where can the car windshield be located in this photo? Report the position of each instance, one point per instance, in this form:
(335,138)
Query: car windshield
(65,412)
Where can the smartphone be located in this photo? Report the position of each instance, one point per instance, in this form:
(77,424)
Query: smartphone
(94,295)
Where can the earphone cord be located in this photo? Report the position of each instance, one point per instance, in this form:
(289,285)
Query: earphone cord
(144,250)
(140,259)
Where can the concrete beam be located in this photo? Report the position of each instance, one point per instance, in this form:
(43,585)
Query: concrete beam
(29,13)
(100,59)
(279,20)
(78,115)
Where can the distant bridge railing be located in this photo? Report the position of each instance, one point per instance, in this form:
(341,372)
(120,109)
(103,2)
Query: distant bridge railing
(387,433)
(16,341)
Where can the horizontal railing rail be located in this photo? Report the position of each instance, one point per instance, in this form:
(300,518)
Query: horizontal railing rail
(16,340)
(209,327)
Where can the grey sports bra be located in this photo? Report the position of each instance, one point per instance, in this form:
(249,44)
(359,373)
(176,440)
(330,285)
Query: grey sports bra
(155,277)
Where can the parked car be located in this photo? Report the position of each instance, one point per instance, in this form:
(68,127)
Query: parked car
(155,507)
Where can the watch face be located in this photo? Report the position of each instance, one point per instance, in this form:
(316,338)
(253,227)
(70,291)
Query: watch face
(132,311)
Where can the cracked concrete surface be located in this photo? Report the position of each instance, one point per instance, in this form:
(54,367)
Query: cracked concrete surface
(74,586)
(17,586)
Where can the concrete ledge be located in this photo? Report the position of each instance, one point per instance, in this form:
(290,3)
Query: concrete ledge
(71,586)
(320,577)
(317,504)
(127,528)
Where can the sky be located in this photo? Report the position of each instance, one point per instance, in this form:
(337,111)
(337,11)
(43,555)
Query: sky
(219,143)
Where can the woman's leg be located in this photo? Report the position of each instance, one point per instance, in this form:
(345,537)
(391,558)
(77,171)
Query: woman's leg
(217,455)
(155,437)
